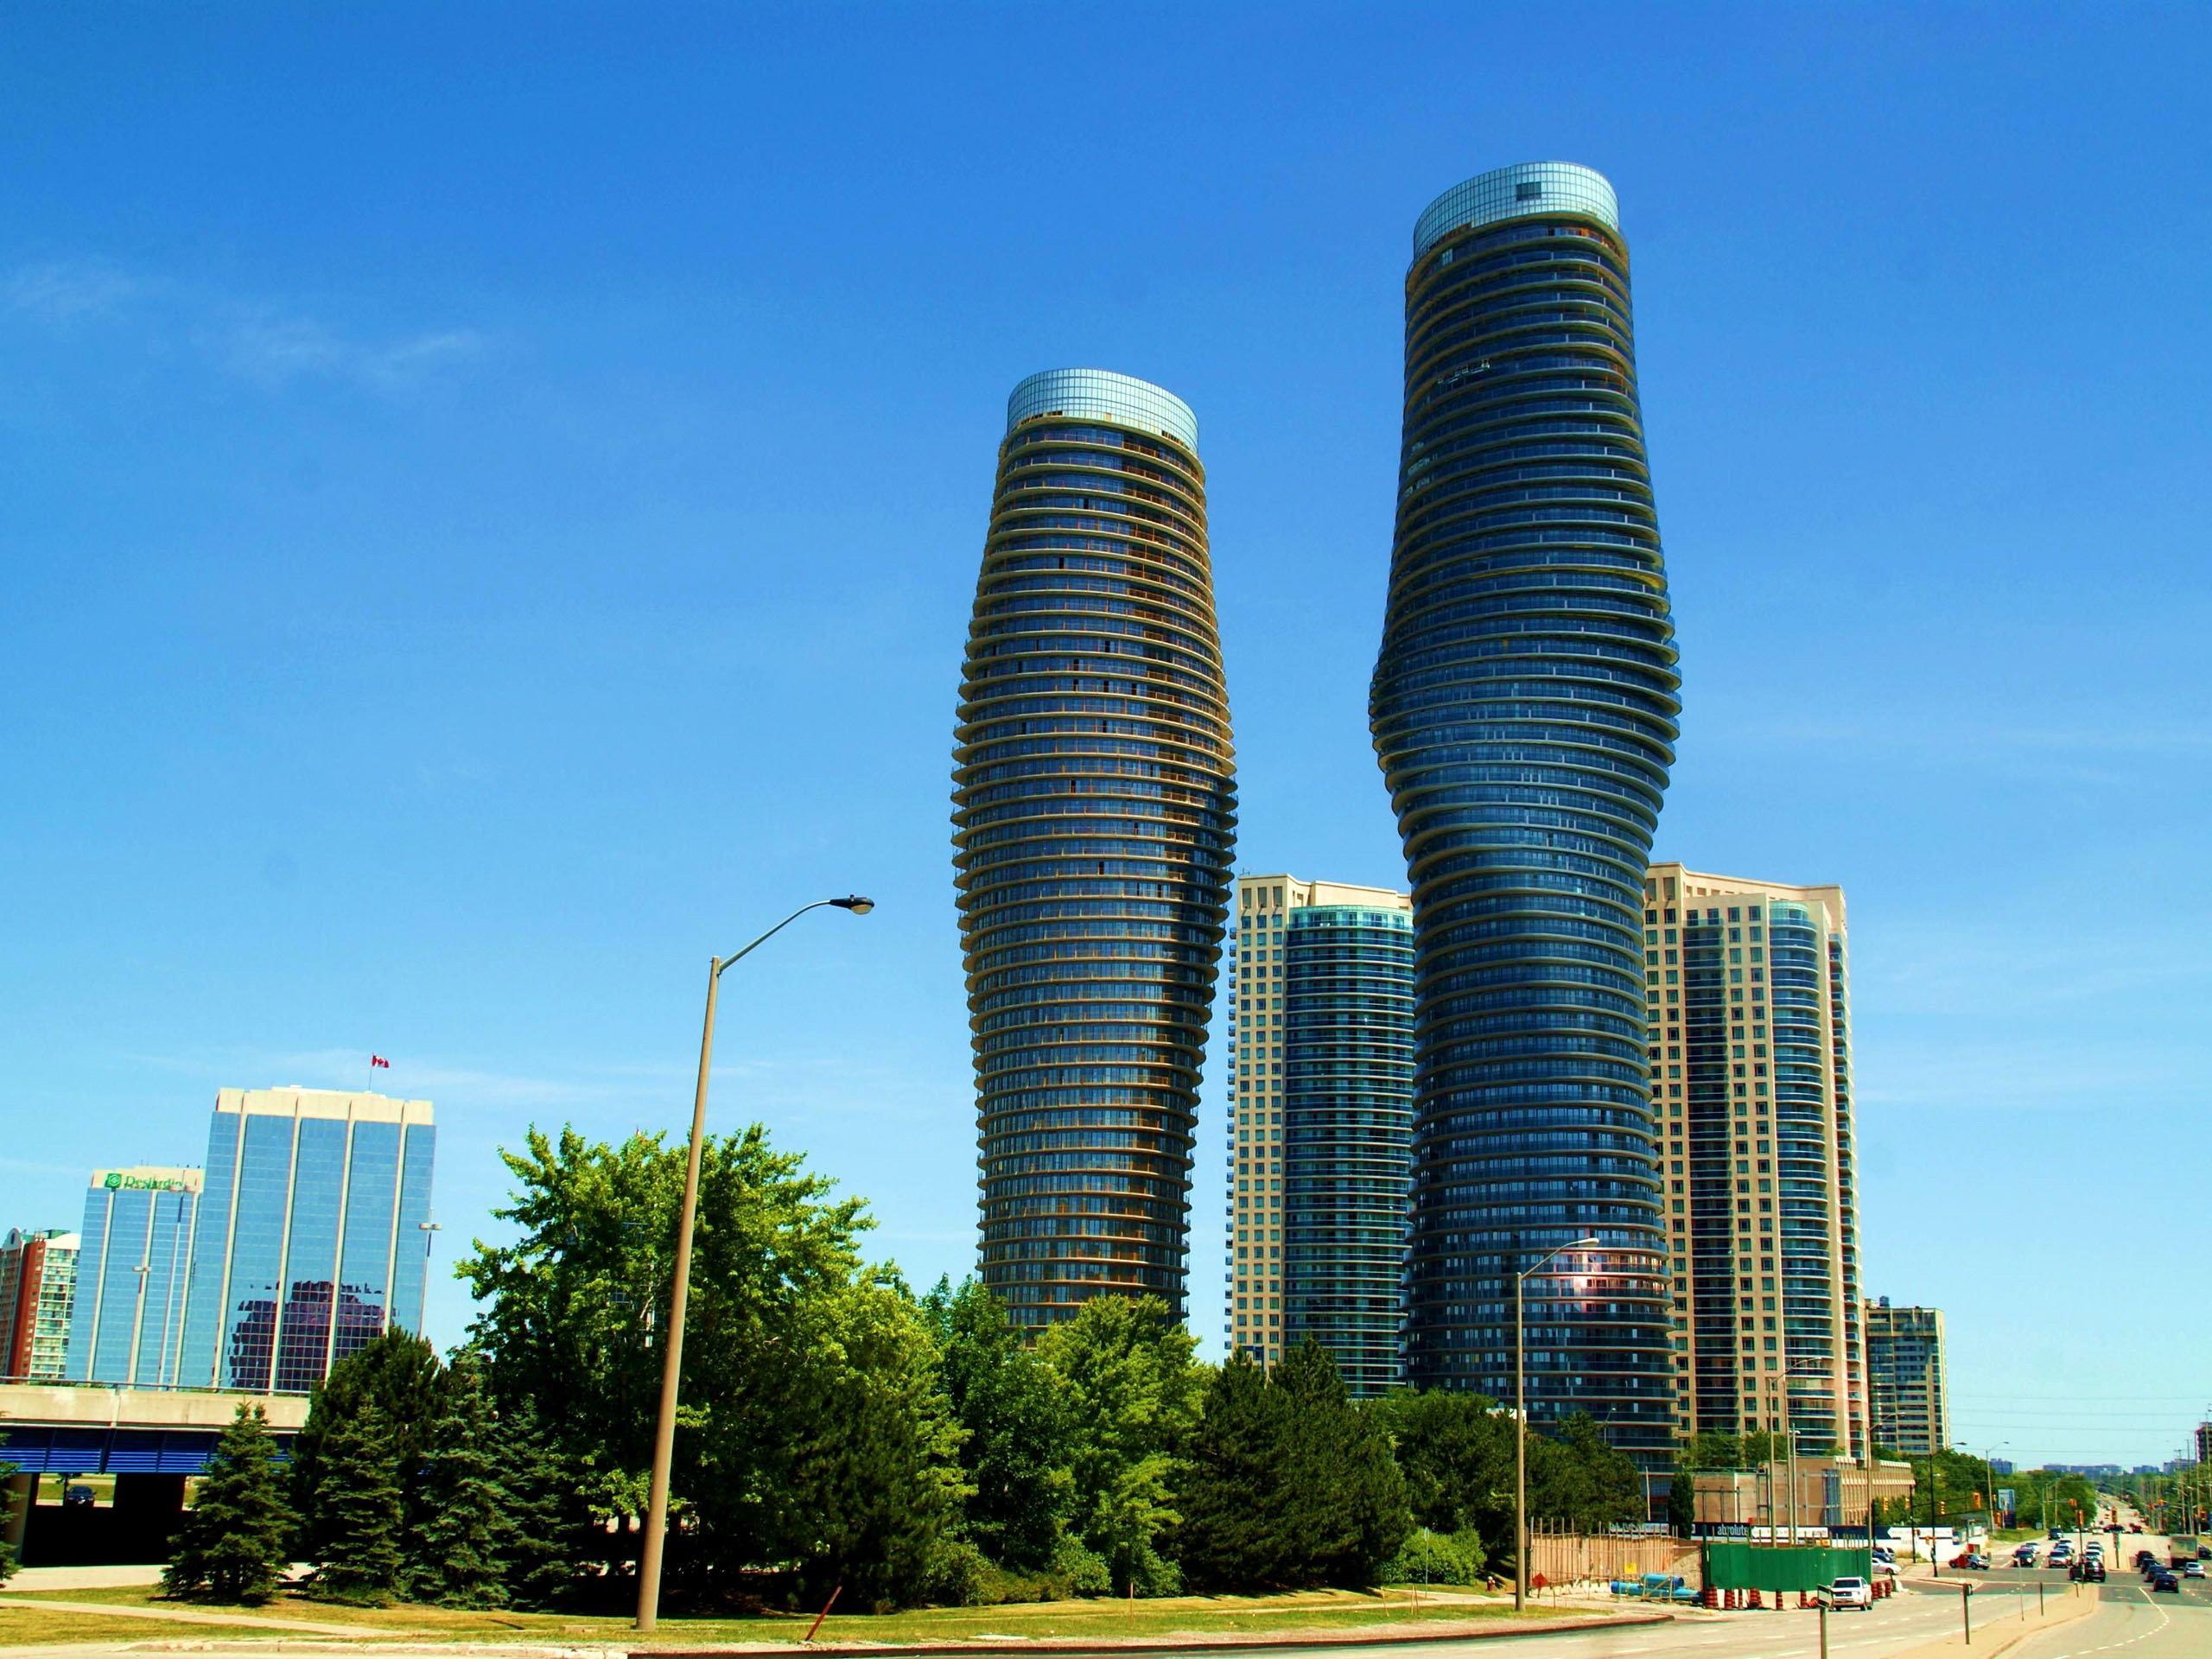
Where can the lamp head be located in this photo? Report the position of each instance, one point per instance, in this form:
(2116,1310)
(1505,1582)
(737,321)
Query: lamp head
(855,903)
(1585,1245)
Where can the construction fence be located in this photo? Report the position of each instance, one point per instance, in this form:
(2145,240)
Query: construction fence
(1570,1560)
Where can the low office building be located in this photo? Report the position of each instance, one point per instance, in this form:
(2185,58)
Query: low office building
(314,1235)
(1832,1492)
(1321,1135)
(131,1276)
(1912,1399)
(38,1287)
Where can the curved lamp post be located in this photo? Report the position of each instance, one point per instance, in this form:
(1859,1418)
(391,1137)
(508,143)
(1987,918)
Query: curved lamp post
(679,1296)
(1521,1416)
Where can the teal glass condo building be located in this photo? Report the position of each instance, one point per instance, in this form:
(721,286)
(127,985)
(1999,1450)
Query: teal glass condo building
(313,1235)
(1094,815)
(1321,1132)
(1523,710)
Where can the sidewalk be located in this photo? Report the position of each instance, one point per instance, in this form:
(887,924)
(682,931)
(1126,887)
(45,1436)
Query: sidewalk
(1369,1635)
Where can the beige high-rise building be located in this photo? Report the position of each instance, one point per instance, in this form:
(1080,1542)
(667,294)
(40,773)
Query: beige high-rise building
(1317,1224)
(1912,1394)
(1747,999)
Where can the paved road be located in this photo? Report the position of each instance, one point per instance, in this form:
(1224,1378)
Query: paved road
(2133,1623)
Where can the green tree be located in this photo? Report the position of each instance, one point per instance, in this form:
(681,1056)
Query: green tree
(1456,1453)
(359,1510)
(1581,1479)
(1016,1453)
(8,1471)
(231,1546)
(787,1442)
(1230,1535)
(880,1475)
(1133,1393)
(1286,1483)
(400,1373)
(542,1511)
(456,1556)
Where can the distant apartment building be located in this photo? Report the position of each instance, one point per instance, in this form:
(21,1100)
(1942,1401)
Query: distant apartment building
(2205,1442)
(312,1236)
(131,1276)
(1321,1135)
(1912,1398)
(1747,990)
(38,1284)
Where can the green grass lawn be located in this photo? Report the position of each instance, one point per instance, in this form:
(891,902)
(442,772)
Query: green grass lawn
(1103,1620)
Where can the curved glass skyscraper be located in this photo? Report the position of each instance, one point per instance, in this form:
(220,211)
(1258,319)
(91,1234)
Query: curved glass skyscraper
(1093,815)
(1523,710)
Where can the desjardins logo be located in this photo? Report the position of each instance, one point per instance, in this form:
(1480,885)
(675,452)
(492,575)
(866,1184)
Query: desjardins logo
(116,1179)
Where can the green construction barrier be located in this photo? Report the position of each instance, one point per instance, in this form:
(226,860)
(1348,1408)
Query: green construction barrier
(1781,1566)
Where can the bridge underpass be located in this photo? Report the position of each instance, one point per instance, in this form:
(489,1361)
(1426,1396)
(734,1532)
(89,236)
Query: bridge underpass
(150,1440)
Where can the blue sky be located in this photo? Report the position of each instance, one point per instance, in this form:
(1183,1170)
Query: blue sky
(491,499)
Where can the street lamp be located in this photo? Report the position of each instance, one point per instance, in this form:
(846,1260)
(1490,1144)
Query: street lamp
(672,1364)
(1521,1416)
(422,1307)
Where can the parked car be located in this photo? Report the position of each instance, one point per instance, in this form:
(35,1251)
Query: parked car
(1846,1593)
(76,1497)
(1885,1569)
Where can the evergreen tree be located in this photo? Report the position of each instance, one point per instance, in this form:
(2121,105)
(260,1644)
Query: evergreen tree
(1231,1534)
(231,1546)
(399,1373)
(1286,1484)
(455,1556)
(1343,1499)
(541,1553)
(360,1510)
(8,1471)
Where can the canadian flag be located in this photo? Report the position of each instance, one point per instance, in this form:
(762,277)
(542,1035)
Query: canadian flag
(378,1059)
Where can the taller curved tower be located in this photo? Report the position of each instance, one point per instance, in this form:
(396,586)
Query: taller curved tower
(1094,814)
(1523,710)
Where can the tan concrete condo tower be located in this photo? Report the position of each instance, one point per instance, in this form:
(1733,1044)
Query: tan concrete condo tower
(1093,814)
(1747,989)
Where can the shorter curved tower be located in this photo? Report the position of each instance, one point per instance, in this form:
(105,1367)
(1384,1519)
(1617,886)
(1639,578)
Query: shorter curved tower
(1094,815)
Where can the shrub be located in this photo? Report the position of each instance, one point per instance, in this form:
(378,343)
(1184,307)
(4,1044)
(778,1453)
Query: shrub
(1080,1572)
(1437,1558)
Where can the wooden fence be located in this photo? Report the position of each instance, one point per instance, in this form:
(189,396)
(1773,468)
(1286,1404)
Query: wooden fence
(1572,1558)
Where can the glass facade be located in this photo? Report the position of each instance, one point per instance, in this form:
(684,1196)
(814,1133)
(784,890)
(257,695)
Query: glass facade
(1348,1099)
(1093,815)
(132,1268)
(311,1233)
(1523,709)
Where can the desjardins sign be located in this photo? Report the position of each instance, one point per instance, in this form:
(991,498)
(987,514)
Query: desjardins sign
(116,1179)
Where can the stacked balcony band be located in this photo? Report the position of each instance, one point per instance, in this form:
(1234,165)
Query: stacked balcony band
(1523,710)
(1093,819)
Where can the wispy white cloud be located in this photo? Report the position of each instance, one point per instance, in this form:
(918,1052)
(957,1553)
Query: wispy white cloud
(270,343)
(62,290)
(274,350)
(1982,1077)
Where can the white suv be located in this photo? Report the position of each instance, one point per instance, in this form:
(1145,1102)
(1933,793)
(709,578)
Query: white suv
(1849,1592)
